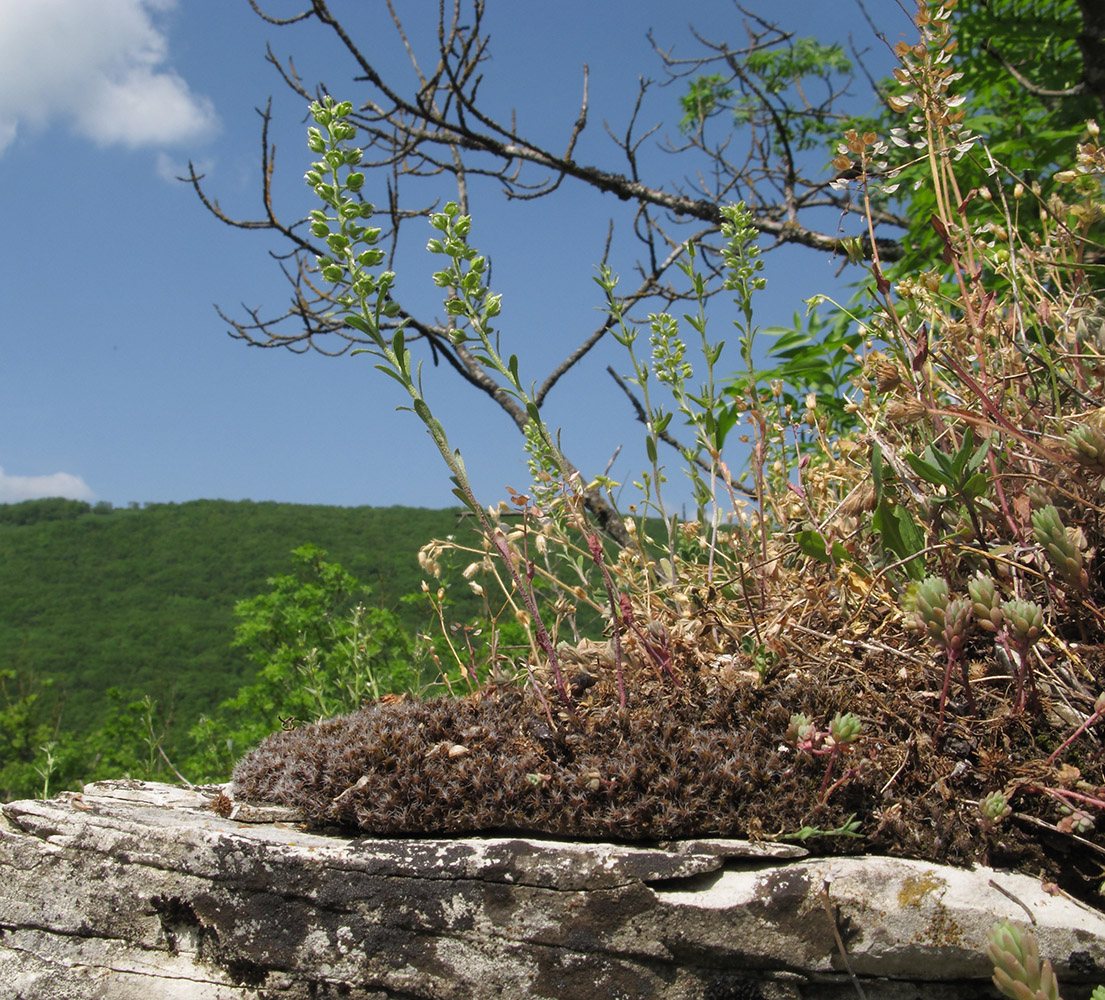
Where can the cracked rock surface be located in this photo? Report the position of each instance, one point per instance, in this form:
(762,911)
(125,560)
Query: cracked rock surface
(139,890)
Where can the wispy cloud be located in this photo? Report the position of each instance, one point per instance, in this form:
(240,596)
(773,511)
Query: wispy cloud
(59,484)
(99,69)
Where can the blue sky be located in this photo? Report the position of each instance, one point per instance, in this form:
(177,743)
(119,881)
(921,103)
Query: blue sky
(118,381)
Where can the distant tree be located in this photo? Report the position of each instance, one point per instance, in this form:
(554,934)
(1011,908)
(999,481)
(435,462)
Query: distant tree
(758,119)
(27,723)
(321,647)
(48,509)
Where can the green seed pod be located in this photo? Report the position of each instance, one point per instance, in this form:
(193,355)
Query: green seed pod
(984,602)
(1023,619)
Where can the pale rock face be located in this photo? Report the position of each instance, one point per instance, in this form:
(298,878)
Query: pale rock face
(137,890)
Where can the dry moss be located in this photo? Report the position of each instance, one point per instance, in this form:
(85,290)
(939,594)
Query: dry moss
(709,758)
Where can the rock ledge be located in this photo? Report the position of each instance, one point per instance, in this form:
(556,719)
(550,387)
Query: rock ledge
(139,890)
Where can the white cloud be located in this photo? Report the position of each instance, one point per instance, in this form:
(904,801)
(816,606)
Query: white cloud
(98,68)
(60,484)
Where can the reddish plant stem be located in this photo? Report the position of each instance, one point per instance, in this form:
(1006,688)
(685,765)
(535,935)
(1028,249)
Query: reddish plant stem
(1092,720)
(594,543)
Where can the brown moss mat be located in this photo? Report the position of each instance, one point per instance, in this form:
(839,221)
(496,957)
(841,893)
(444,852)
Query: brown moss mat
(710,758)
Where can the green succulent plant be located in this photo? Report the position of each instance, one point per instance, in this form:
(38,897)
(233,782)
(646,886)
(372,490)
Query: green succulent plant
(994,807)
(1018,971)
(1087,448)
(985,602)
(929,606)
(845,728)
(1063,552)
(1024,620)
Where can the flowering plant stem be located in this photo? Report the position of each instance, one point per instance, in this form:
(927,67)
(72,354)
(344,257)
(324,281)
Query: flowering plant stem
(354,255)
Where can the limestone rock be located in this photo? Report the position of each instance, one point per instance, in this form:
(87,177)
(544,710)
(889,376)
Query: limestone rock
(137,890)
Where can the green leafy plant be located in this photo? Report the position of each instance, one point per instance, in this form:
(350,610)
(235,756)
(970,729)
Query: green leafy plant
(924,512)
(365,301)
(321,647)
(946,620)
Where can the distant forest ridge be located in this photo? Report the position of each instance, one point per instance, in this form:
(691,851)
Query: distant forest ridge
(142,599)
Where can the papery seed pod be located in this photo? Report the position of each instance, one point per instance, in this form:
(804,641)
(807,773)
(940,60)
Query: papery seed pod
(985,602)
(863,498)
(1087,446)
(957,621)
(905,411)
(1023,619)
(888,376)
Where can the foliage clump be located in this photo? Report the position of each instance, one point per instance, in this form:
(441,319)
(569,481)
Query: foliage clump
(898,618)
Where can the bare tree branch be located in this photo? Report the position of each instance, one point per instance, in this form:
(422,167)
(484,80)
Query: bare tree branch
(441,130)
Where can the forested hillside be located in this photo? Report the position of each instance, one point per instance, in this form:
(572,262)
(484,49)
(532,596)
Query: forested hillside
(142,599)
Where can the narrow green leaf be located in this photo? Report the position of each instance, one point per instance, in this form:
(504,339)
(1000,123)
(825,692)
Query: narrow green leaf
(900,534)
(359,322)
(876,471)
(391,372)
(980,455)
(812,544)
(927,472)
